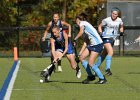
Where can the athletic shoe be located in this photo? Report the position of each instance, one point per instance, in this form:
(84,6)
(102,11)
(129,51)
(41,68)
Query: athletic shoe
(108,72)
(88,79)
(101,81)
(59,69)
(78,72)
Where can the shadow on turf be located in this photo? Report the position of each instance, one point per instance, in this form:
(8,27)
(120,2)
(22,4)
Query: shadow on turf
(69,82)
(62,82)
(133,73)
(72,82)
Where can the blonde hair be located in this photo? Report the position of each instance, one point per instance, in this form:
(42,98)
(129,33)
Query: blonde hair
(56,27)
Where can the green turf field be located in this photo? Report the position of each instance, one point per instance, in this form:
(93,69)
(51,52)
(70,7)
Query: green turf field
(124,84)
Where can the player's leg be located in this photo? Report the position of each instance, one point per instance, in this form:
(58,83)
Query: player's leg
(54,69)
(101,57)
(95,68)
(84,62)
(109,49)
(74,65)
(71,58)
(104,53)
(95,50)
(59,67)
(51,69)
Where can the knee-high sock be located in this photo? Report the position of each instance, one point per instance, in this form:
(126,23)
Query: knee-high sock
(59,63)
(100,60)
(108,61)
(87,68)
(97,71)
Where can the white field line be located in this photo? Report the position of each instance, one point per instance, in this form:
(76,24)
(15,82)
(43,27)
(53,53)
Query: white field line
(11,84)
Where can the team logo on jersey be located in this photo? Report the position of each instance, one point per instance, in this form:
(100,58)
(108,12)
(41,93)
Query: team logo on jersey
(107,40)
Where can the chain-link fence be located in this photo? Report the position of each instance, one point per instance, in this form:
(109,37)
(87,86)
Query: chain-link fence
(28,41)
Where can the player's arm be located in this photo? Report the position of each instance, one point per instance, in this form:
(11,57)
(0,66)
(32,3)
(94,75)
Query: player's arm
(66,44)
(46,31)
(52,41)
(83,48)
(69,27)
(121,28)
(101,25)
(100,28)
(80,33)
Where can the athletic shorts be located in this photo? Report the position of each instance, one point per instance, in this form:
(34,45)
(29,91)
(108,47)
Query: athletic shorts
(96,48)
(108,40)
(61,49)
(70,48)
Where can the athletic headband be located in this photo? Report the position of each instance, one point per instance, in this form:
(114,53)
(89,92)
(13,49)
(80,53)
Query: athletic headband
(115,9)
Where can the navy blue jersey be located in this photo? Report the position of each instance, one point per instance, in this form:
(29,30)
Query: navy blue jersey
(59,24)
(60,44)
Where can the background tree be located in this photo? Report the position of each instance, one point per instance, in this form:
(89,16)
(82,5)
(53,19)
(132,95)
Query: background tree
(39,13)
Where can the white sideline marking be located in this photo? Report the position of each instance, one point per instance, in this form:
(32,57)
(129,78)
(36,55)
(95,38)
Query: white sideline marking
(11,84)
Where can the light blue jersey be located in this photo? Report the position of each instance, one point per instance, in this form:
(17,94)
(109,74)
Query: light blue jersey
(111,28)
(91,36)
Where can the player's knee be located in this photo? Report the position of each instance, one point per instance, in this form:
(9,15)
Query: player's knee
(110,53)
(81,58)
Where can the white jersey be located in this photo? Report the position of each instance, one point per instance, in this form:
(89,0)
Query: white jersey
(111,28)
(90,34)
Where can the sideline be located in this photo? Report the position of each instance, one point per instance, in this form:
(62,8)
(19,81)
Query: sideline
(7,87)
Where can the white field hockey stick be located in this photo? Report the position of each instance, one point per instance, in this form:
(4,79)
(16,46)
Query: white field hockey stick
(132,42)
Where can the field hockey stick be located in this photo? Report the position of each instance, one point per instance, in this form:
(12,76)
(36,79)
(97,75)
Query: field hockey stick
(76,54)
(132,42)
(45,71)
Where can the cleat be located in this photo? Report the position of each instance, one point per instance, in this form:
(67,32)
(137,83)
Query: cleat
(59,69)
(78,72)
(88,79)
(101,81)
(108,72)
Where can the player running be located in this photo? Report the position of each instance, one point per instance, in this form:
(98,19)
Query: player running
(92,46)
(59,47)
(56,21)
(112,26)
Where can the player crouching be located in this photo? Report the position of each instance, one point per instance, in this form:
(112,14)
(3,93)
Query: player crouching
(59,47)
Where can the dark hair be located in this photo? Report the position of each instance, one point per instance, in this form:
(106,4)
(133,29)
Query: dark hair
(81,16)
(116,9)
(56,13)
